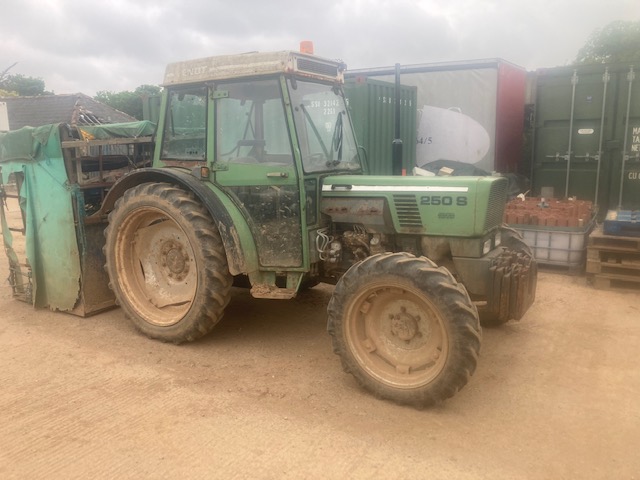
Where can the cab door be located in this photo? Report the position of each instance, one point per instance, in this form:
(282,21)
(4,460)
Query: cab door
(254,164)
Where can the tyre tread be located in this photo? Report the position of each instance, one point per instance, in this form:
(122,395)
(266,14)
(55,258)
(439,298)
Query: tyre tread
(208,306)
(440,284)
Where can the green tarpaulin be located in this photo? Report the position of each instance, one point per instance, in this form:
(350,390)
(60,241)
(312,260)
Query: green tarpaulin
(32,159)
(118,130)
(35,156)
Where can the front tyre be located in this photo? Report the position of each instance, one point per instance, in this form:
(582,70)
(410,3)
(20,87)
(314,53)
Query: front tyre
(166,263)
(405,329)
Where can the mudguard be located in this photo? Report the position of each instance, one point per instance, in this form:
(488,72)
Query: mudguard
(241,254)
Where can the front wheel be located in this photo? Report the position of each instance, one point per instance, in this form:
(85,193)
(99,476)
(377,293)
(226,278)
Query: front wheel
(405,329)
(166,263)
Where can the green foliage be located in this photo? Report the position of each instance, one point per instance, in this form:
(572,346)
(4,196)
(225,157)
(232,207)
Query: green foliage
(618,42)
(7,93)
(128,102)
(20,85)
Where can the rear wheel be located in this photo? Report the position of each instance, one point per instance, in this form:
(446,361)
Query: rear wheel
(405,329)
(166,263)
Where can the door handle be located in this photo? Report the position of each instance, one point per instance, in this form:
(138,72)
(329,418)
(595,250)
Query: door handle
(278,175)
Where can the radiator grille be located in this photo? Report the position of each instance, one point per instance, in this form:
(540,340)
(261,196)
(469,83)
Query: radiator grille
(407,210)
(497,201)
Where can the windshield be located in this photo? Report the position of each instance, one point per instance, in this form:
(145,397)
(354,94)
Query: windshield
(326,138)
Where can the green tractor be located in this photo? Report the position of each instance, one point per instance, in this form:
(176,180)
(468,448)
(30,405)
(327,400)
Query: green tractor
(257,180)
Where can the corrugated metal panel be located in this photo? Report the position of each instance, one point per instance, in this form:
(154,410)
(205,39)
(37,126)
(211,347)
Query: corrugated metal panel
(594,130)
(372,107)
(510,115)
(628,129)
(488,98)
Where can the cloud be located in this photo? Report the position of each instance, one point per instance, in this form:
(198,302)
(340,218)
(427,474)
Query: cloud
(117,45)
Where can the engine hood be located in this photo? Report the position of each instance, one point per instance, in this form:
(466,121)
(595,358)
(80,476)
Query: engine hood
(447,206)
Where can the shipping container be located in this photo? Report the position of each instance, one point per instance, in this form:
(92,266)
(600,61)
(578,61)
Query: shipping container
(586,139)
(372,107)
(470,112)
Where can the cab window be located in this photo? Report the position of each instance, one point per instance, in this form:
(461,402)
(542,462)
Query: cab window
(186,125)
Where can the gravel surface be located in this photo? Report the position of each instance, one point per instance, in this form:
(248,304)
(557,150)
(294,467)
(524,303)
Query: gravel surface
(555,396)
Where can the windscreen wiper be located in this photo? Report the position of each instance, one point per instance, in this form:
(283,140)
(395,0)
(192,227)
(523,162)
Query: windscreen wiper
(336,142)
(315,130)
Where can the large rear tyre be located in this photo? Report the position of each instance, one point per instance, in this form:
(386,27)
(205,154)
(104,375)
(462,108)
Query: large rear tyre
(405,329)
(166,263)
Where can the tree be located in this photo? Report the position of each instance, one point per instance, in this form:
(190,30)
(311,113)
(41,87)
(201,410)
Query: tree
(128,102)
(618,42)
(5,73)
(20,85)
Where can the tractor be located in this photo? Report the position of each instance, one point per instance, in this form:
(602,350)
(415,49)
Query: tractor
(256,179)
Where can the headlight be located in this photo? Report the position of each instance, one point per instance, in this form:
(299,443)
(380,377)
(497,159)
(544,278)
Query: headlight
(498,239)
(486,247)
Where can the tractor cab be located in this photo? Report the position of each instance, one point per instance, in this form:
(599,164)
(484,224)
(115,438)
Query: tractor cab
(266,127)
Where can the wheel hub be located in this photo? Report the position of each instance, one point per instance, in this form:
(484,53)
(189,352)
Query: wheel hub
(404,325)
(175,259)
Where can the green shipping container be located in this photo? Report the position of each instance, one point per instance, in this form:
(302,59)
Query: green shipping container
(586,131)
(372,107)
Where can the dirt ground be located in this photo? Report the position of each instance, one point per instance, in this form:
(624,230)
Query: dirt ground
(555,396)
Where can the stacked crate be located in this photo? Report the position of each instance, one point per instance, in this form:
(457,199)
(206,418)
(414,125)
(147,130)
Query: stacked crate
(622,222)
(537,211)
(556,230)
(613,261)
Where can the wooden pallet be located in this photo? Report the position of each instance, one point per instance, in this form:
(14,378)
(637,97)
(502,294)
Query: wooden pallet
(613,261)
(598,239)
(603,282)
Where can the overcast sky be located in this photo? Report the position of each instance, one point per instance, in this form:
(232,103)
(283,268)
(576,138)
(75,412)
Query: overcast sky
(88,45)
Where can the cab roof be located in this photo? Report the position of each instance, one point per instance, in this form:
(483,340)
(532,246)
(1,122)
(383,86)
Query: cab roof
(225,67)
